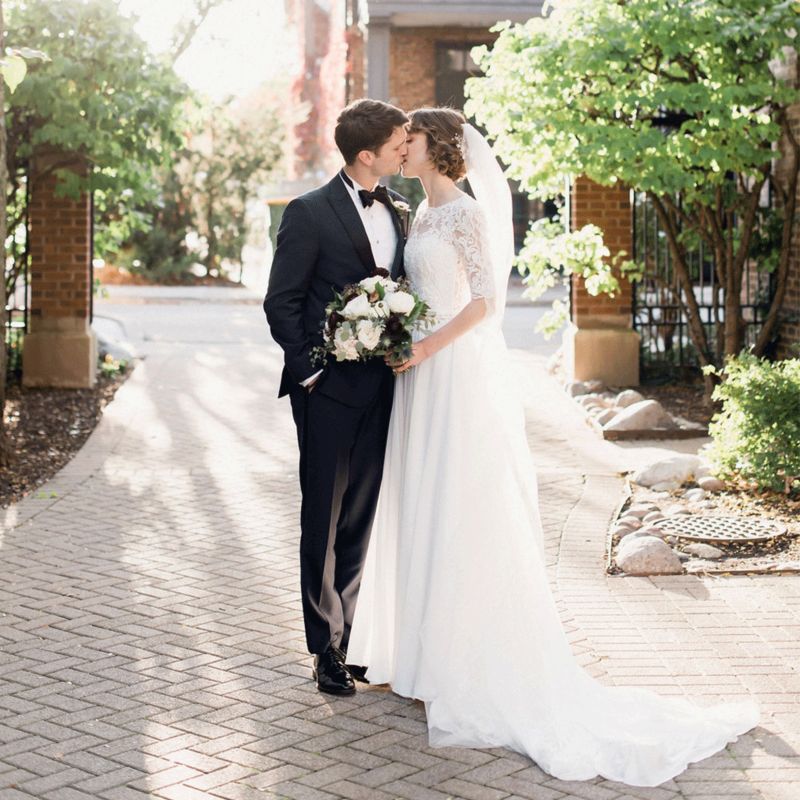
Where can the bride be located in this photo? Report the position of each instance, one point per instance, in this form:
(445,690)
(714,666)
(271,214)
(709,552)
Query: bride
(454,607)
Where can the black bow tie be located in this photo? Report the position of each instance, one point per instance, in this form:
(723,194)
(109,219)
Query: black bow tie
(380,194)
(368,198)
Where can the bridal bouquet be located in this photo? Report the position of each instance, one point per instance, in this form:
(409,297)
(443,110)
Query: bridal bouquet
(374,317)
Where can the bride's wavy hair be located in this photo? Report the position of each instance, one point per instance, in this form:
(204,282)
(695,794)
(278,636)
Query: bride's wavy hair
(443,131)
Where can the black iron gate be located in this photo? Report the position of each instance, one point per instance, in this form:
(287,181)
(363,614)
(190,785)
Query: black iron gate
(658,314)
(17,283)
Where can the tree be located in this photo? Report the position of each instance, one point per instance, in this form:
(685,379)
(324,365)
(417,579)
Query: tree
(3,448)
(677,100)
(102,95)
(13,68)
(230,161)
(187,27)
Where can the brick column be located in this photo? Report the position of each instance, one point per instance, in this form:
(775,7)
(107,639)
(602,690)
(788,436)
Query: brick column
(60,348)
(600,343)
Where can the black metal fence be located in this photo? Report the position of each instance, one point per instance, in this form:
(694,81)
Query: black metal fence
(17,283)
(658,314)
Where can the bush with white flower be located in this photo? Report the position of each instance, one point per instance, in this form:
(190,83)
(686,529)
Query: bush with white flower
(373,318)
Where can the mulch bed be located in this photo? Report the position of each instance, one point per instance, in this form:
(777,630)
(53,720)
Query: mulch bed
(684,400)
(109,275)
(45,428)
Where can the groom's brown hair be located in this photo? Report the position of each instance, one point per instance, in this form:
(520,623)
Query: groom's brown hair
(366,125)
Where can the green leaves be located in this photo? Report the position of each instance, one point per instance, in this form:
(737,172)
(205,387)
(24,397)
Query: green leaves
(549,255)
(101,93)
(756,436)
(664,97)
(13,66)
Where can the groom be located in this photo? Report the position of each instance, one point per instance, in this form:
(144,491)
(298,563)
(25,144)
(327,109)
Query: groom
(328,238)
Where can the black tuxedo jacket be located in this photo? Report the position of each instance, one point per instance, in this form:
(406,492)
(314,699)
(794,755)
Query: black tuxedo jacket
(321,248)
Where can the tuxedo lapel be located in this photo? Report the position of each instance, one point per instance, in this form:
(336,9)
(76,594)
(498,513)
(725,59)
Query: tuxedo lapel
(343,207)
(397,264)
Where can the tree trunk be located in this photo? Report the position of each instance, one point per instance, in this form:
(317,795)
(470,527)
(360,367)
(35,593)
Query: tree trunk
(789,212)
(3,350)
(687,296)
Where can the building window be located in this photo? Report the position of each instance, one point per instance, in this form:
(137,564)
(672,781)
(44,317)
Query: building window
(454,65)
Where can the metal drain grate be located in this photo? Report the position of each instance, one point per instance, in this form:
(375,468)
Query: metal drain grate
(721,529)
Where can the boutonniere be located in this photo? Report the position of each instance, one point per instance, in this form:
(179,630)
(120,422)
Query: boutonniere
(403,210)
(400,207)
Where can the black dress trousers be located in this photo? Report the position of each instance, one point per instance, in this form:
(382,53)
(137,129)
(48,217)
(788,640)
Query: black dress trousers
(341,463)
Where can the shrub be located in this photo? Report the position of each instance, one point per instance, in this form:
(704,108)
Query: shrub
(756,435)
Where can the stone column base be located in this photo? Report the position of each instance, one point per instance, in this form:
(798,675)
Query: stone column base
(607,354)
(58,357)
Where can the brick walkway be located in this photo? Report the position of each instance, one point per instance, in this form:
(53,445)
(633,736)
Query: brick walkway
(151,638)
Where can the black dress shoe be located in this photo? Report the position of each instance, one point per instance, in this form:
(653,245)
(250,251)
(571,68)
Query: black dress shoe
(330,674)
(359,673)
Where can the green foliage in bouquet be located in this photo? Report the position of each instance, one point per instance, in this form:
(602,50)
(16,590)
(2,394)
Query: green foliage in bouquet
(372,318)
(756,436)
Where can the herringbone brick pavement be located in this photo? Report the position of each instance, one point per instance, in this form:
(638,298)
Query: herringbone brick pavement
(151,636)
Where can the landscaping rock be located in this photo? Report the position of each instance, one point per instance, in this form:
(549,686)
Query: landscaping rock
(589,400)
(628,398)
(595,386)
(630,521)
(676,511)
(647,555)
(645,415)
(652,517)
(707,551)
(703,470)
(628,532)
(576,388)
(695,495)
(671,471)
(711,484)
(653,530)
(605,416)
(640,510)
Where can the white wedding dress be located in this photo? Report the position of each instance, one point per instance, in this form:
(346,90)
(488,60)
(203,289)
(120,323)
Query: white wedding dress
(454,607)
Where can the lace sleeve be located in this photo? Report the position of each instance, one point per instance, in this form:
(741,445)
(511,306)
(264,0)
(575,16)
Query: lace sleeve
(472,242)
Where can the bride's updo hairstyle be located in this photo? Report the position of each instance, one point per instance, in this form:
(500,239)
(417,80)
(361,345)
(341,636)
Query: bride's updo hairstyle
(442,129)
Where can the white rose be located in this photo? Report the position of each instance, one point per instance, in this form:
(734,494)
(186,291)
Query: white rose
(369,334)
(369,284)
(345,343)
(400,302)
(388,284)
(357,307)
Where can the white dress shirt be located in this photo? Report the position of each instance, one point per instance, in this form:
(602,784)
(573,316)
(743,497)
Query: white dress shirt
(382,235)
(378,224)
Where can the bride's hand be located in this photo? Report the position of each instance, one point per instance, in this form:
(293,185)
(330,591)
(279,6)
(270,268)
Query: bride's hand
(419,352)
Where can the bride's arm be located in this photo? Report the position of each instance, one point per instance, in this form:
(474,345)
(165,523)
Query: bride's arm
(467,318)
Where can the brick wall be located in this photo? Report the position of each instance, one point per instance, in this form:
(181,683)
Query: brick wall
(609,208)
(60,237)
(355,64)
(412,61)
(319,84)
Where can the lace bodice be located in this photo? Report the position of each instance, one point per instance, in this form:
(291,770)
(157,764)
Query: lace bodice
(447,256)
